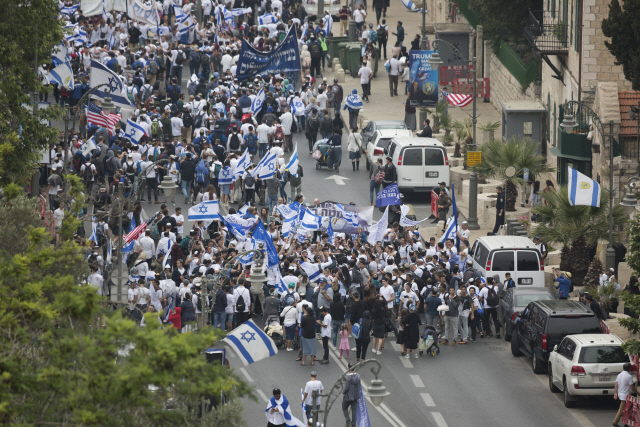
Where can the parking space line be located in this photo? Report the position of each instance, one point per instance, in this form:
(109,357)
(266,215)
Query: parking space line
(262,395)
(437,416)
(426,397)
(406,362)
(417,381)
(246,375)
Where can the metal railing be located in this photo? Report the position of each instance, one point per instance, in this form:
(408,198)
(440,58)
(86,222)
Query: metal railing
(547,33)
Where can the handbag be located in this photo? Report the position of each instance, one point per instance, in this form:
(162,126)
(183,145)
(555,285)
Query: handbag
(317,155)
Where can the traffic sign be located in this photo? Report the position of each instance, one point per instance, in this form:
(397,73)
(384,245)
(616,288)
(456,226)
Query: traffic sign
(474,158)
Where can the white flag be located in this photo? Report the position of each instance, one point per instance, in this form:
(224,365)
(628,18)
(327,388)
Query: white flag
(101,74)
(377,230)
(62,74)
(205,211)
(583,190)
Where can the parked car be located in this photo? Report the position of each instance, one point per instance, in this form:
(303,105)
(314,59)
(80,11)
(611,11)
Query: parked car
(586,365)
(379,141)
(514,300)
(421,163)
(374,125)
(509,254)
(543,324)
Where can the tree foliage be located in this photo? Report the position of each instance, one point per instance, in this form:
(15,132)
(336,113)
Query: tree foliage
(18,214)
(633,244)
(62,359)
(29,31)
(593,274)
(504,19)
(623,29)
(631,302)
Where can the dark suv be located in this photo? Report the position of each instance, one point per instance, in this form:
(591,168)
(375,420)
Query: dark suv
(543,324)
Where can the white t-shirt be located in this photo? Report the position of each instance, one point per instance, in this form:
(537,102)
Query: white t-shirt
(176,126)
(624,380)
(412,298)
(387,292)
(326,332)
(485,292)
(313,385)
(231,302)
(144,295)
(179,218)
(365,74)
(358,15)
(246,294)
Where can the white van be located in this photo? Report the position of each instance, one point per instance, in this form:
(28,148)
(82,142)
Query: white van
(381,140)
(509,254)
(421,163)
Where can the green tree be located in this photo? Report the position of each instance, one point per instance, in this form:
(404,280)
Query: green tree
(576,227)
(622,27)
(504,19)
(66,359)
(29,34)
(633,244)
(521,153)
(631,302)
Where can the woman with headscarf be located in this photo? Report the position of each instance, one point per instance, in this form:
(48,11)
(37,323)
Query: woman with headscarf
(411,323)
(354,104)
(365,331)
(305,59)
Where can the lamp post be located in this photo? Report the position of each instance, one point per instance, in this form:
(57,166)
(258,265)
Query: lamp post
(568,124)
(435,61)
(423,39)
(376,390)
(630,202)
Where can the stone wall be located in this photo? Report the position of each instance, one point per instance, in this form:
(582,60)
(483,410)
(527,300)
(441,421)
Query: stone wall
(505,87)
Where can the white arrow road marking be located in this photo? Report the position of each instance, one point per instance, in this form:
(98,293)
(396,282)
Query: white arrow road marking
(339,180)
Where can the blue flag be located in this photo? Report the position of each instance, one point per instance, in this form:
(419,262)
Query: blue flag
(388,196)
(362,415)
(451,230)
(284,59)
(260,234)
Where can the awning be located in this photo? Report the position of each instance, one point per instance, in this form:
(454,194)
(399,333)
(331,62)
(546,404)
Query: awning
(557,153)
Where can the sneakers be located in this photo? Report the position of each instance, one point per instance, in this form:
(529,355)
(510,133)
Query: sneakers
(324,362)
(462,342)
(453,344)
(289,349)
(408,356)
(498,336)
(415,356)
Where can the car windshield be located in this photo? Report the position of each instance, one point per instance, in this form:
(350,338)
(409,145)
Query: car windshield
(384,142)
(391,126)
(574,325)
(603,354)
(524,300)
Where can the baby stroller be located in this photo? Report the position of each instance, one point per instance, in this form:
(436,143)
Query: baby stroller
(429,341)
(274,330)
(321,152)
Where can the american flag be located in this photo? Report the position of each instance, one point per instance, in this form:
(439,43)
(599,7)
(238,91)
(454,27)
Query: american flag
(133,235)
(96,116)
(457,100)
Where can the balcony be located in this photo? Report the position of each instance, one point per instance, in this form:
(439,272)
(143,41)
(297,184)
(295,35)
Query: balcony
(546,33)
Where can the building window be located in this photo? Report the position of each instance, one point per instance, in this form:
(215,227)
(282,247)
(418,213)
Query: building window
(527,129)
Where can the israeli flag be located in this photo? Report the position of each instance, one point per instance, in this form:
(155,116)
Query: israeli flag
(311,221)
(292,166)
(79,37)
(108,260)
(161,30)
(411,6)
(62,74)
(104,12)
(283,407)
(100,74)
(250,343)
(88,147)
(287,212)
(240,12)
(268,167)
(304,409)
(583,191)
(180,15)
(243,210)
(94,224)
(281,288)
(69,10)
(135,132)
(297,106)
(350,217)
(328,22)
(330,233)
(354,101)
(452,226)
(258,102)
(186,25)
(205,211)
(243,163)
(261,235)
(226,176)
(220,108)
(112,41)
(267,18)
(314,271)
(377,230)
(60,55)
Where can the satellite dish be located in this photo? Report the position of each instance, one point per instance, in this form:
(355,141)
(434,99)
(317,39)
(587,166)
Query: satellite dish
(510,172)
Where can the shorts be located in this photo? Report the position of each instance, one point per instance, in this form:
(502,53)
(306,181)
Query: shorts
(290,332)
(226,189)
(229,317)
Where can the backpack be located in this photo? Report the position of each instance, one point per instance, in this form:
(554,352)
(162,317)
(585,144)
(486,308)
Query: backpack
(184,244)
(373,36)
(234,142)
(162,89)
(153,68)
(195,57)
(77,161)
(155,129)
(131,96)
(357,276)
(288,299)
(201,172)
(379,177)
(315,50)
(179,58)
(312,123)
(510,284)
(331,99)
(250,180)
(279,133)
(492,297)
(130,171)
(381,33)
(146,92)
(240,304)
(356,330)
(101,236)
(155,234)
(174,93)
(197,122)
(110,167)
(215,172)
(187,120)
(198,302)
(251,142)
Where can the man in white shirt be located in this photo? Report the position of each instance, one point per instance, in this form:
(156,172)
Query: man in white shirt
(179,220)
(325,332)
(463,232)
(148,246)
(97,281)
(624,385)
(394,70)
(408,297)
(358,16)
(176,125)
(244,293)
(312,385)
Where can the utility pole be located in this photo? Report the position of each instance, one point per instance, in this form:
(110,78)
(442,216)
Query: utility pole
(423,40)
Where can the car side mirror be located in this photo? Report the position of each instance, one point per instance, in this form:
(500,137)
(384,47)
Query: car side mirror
(555,348)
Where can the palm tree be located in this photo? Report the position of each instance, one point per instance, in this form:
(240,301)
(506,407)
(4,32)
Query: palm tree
(520,153)
(576,227)
(464,134)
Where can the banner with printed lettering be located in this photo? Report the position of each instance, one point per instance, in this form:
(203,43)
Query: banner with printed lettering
(342,225)
(423,90)
(284,59)
(388,196)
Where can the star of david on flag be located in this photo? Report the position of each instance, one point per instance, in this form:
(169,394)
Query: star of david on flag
(250,343)
(205,211)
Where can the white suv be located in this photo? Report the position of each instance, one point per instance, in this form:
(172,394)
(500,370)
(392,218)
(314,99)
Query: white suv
(586,365)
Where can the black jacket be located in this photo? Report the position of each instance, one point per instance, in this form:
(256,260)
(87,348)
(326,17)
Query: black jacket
(188,170)
(426,132)
(390,173)
(357,309)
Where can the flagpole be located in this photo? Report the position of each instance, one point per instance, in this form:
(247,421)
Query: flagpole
(120,194)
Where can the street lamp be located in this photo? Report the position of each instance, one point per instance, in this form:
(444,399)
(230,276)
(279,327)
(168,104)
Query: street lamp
(568,124)
(435,61)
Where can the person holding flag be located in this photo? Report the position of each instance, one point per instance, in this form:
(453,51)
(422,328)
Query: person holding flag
(278,412)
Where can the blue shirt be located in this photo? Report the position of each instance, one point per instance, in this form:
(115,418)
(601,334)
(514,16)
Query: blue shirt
(564,286)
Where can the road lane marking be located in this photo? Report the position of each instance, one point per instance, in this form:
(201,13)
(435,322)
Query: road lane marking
(406,362)
(246,375)
(426,397)
(262,395)
(417,381)
(439,419)
(396,347)
(395,418)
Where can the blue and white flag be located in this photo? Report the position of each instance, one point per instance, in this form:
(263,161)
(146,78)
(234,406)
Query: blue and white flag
(314,271)
(88,147)
(290,217)
(313,222)
(362,414)
(186,25)
(411,6)
(59,54)
(331,233)
(135,132)
(205,211)
(350,217)
(328,23)
(180,15)
(281,288)
(261,235)
(239,11)
(297,106)
(238,226)
(388,196)
(142,12)
(69,10)
(243,210)
(267,166)
(583,191)
(226,176)
(406,222)
(292,166)
(104,12)
(161,30)
(101,74)
(452,228)
(303,33)
(304,409)
(112,41)
(243,163)
(78,38)
(286,212)
(258,102)
(377,230)
(62,74)
(128,247)
(250,343)
(267,18)
(283,407)
(353,101)
(94,224)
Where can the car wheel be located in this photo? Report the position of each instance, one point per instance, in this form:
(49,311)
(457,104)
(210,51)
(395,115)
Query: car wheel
(569,401)
(537,364)
(515,345)
(507,332)
(368,164)
(552,386)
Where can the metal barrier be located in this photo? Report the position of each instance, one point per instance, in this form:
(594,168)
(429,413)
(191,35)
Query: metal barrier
(465,86)
(631,414)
